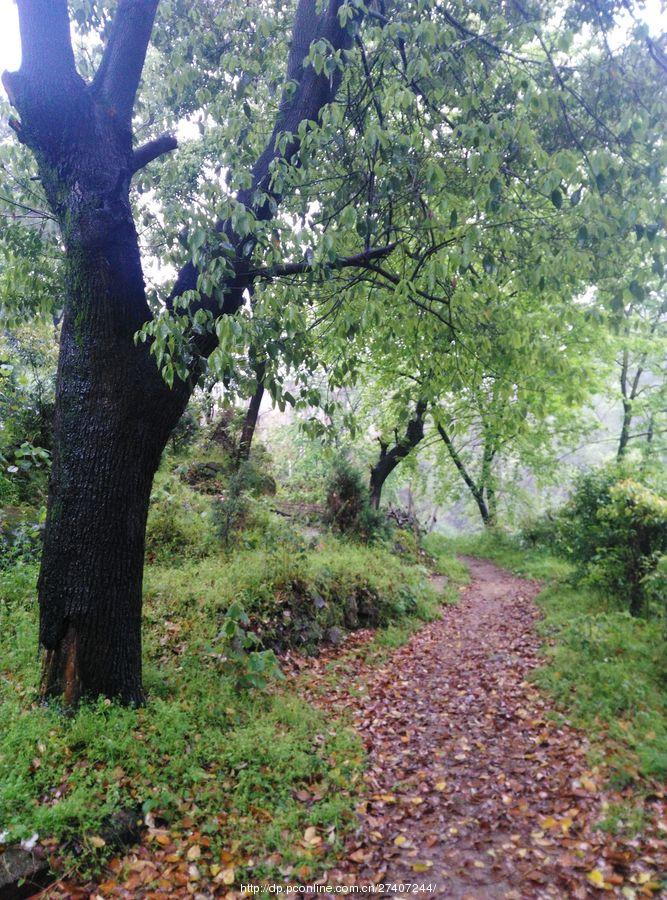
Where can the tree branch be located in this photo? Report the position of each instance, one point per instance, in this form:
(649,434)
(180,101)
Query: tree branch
(46,46)
(359,260)
(44,87)
(304,103)
(117,78)
(151,150)
(312,92)
(657,54)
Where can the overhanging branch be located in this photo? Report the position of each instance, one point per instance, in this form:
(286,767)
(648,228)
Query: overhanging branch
(151,150)
(305,103)
(357,260)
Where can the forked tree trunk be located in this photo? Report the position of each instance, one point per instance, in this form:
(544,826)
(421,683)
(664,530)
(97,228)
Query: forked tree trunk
(114,413)
(390,457)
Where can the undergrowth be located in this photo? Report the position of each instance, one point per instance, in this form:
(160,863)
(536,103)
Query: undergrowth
(231,761)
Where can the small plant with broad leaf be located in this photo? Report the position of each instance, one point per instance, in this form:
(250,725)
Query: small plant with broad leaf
(250,667)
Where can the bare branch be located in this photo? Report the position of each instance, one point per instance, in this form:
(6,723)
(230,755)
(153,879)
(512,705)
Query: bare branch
(151,150)
(358,260)
(118,76)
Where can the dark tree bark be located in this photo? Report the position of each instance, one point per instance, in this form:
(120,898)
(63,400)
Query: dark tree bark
(626,420)
(251,416)
(390,457)
(629,389)
(114,413)
(476,490)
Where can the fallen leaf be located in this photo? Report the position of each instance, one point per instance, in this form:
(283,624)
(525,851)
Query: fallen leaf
(421,866)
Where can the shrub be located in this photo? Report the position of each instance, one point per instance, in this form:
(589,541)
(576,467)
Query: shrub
(233,510)
(615,530)
(544,531)
(634,537)
(348,506)
(249,667)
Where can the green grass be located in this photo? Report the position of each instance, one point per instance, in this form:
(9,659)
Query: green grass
(444,553)
(230,761)
(507,552)
(606,669)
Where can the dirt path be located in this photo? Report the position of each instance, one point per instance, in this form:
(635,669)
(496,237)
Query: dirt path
(474,790)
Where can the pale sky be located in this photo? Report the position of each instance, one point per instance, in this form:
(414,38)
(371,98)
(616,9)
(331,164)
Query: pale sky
(10,52)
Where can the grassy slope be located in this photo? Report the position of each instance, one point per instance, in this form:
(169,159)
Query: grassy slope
(605,668)
(229,761)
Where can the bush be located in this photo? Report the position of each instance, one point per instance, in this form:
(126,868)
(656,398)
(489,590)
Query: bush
(248,666)
(231,510)
(581,529)
(634,540)
(615,530)
(348,506)
(544,531)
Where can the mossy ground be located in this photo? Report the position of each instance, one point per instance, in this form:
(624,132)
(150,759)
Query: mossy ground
(231,762)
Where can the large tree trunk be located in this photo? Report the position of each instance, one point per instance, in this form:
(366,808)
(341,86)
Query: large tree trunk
(113,418)
(114,413)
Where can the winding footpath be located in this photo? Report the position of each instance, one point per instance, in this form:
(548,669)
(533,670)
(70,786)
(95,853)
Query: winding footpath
(476,790)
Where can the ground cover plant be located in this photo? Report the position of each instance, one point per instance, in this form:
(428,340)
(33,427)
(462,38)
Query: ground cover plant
(185,755)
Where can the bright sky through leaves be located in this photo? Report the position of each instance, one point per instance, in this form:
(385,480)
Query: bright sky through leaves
(10,51)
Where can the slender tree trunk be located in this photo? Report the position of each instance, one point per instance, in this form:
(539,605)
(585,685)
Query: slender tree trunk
(251,417)
(626,421)
(390,457)
(490,519)
(475,490)
(487,484)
